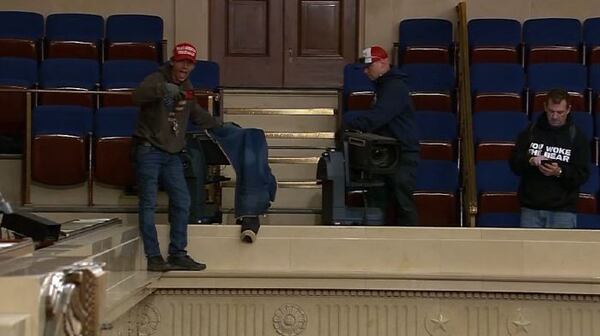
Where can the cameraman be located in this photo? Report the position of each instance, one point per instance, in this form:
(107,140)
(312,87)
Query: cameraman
(552,156)
(392,115)
(165,107)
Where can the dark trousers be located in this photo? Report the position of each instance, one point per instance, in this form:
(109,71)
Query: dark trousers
(398,190)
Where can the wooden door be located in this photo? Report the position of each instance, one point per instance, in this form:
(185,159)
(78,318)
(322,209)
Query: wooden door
(246,40)
(319,39)
(282,43)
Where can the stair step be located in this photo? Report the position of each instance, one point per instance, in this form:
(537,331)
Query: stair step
(299,135)
(281,111)
(284,171)
(286,123)
(290,194)
(279,98)
(280,217)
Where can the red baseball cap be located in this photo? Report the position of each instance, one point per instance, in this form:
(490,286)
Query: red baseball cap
(373,54)
(184,51)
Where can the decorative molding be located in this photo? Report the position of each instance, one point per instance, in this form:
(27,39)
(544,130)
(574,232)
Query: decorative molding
(518,324)
(148,319)
(385,294)
(437,324)
(289,320)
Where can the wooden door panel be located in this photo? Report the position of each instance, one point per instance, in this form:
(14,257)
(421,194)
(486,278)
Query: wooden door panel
(246,41)
(282,43)
(320,39)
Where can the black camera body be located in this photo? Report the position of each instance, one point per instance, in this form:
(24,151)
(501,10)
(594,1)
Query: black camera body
(354,170)
(371,153)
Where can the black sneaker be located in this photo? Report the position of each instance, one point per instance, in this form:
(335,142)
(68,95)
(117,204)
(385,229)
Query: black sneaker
(185,263)
(249,226)
(157,264)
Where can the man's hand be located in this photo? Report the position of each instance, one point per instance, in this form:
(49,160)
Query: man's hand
(174,91)
(536,161)
(550,169)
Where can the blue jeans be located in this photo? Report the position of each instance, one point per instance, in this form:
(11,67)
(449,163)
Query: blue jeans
(151,164)
(531,218)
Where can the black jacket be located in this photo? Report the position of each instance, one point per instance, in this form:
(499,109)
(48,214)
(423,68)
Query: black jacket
(569,147)
(393,113)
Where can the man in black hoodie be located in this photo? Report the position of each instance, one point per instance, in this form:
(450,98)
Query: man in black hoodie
(552,156)
(392,115)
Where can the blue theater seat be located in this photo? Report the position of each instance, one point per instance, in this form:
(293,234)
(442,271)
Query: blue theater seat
(497,187)
(69,74)
(432,86)
(591,39)
(425,40)
(18,74)
(552,40)
(358,90)
(494,40)
(134,36)
(21,34)
(74,35)
(205,77)
(495,133)
(124,75)
(437,135)
(546,76)
(437,188)
(113,130)
(497,87)
(59,154)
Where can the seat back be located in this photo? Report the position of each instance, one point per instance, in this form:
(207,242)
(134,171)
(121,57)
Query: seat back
(205,75)
(497,86)
(437,135)
(15,72)
(425,41)
(58,150)
(113,129)
(69,73)
(547,76)
(358,90)
(494,40)
(74,35)
(20,33)
(552,40)
(497,187)
(122,75)
(432,86)
(495,133)
(591,38)
(437,187)
(134,36)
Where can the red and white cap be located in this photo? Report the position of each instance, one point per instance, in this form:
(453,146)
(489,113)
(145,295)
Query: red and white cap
(373,54)
(184,51)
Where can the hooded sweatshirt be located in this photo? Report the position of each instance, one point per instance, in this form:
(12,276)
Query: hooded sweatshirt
(392,114)
(153,121)
(565,145)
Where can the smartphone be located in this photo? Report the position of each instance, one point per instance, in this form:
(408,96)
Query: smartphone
(548,162)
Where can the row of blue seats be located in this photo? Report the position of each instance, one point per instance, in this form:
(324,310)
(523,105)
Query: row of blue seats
(499,40)
(81,35)
(89,74)
(501,32)
(80,27)
(510,81)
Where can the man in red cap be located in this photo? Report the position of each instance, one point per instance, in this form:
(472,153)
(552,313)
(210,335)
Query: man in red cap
(392,115)
(159,139)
